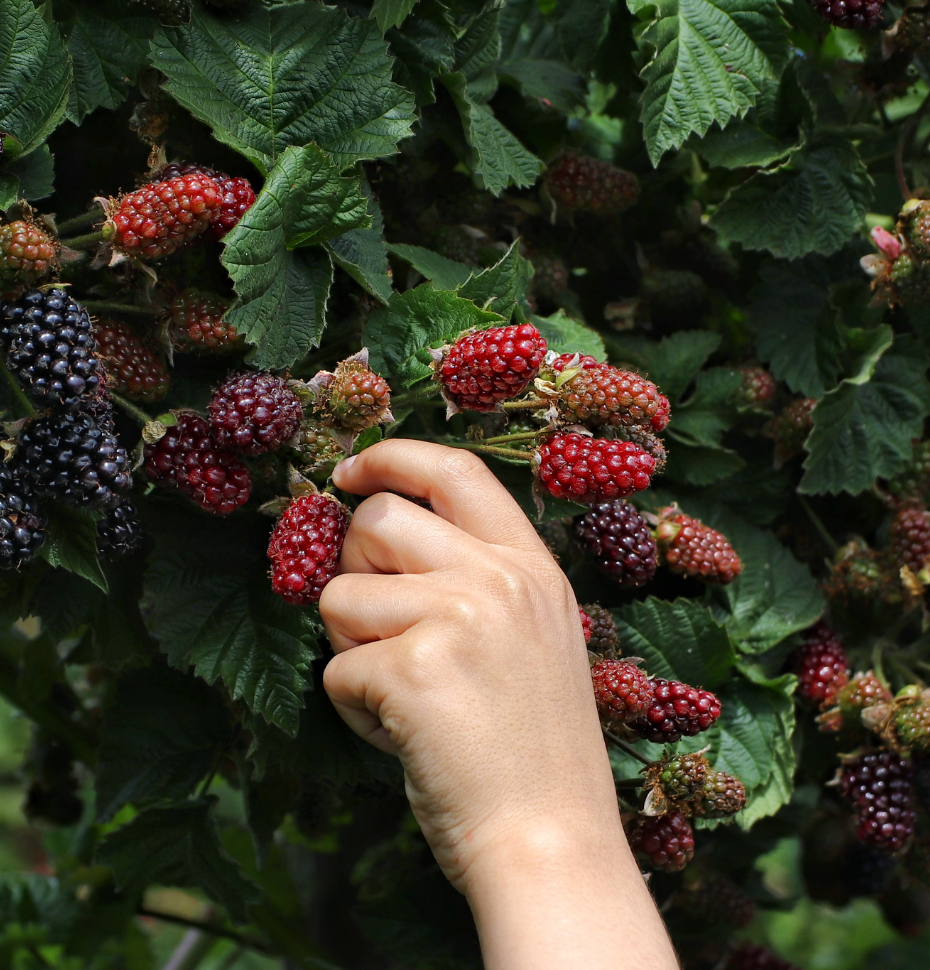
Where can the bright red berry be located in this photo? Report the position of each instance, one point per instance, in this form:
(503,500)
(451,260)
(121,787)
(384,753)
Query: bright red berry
(880,785)
(238,198)
(254,412)
(197,324)
(910,538)
(695,549)
(619,539)
(133,367)
(482,369)
(590,185)
(585,624)
(305,546)
(160,218)
(665,842)
(662,416)
(821,664)
(677,710)
(600,395)
(749,957)
(604,639)
(587,470)
(758,387)
(188,458)
(850,14)
(27,254)
(622,691)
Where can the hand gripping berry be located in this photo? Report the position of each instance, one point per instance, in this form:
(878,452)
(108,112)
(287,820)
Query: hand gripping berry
(592,470)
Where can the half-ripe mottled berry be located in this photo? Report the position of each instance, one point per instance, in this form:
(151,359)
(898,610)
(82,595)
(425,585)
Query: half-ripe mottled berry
(721,796)
(664,842)
(254,412)
(27,253)
(758,387)
(592,470)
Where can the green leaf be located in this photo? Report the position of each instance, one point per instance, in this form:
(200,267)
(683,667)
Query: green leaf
(284,76)
(581,27)
(116,624)
(812,203)
(501,286)
(35,173)
(498,160)
(701,465)
(672,363)
(391,13)
(447,274)
(72,543)
(9,189)
(797,328)
(213,609)
(680,640)
(709,412)
(863,429)
(743,144)
(177,846)
(415,320)
(567,336)
(145,756)
(108,49)
(362,253)
(35,74)
(424,49)
(710,62)
(549,81)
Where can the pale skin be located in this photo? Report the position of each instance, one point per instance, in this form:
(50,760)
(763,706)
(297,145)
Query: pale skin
(459,649)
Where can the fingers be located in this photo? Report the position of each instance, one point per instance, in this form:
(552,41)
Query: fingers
(458,485)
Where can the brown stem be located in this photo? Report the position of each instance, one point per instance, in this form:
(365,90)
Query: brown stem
(628,748)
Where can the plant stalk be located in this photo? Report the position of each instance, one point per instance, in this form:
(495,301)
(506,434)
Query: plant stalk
(817,523)
(136,413)
(201,927)
(79,222)
(87,241)
(533,404)
(504,438)
(627,748)
(108,306)
(491,450)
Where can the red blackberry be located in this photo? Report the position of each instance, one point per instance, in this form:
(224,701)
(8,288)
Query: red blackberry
(694,549)
(850,14)
(133,367)
(119,532)
(716,900)
(665,842)
(22,523)
(601,396)
(160,218)
(604,639)
(254,413)
(590,185)
(749,957)
(864,690)
(482,369)
(790,429)
(354,397)
(677,710)
(238,198)
(910,538)
(188,458)
(196,324)
(585,624)
(683,777)
(880,785)
(758,387)
(51,345)
(662,416)
(27,254)
(622,691)
(821,665)
(176,170)
(305,547)
(721,796)
(587,470)
(68,456)
(619,539)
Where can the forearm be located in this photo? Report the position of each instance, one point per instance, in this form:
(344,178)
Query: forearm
(551,898)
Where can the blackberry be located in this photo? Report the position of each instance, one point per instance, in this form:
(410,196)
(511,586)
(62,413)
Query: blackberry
(880,785)
(677,710)
(683,777)
(672,292)
(694,549)
(318,450)
(621,690)
(254,413)
(910,538)
(758,387)
(620,541)
(589,471)
(721,796)
(69,456)
(177,170)
(238,198)
(196,324)
(790,429)
(455,242)
(119,532)
(821,664)
(355,397)
(665,842)
(133,367)
(850,14)
(604,639)
(587,184)
(22,523)
(864,690)
(600,395)
(550,276)
(50,346)
(866,871)
(861,574)
(716,900)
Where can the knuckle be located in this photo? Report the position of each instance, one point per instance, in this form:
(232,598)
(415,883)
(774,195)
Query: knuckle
(456,464)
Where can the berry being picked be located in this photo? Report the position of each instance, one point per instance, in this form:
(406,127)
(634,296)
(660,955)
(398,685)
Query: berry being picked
(717,900)
(22,523)
(51,346)
(910,538)
(758,387)
(721,796)
(864,690)
(694,549)
(482,369)
(913,482)
(27,254)
(620,541)
(119,532)
(197,324)
(589,471)
(790,429)
(305,546)
(158,219)
(587,184)
(821,665)
(254,412)
(69,456)
(238,198)
(604,639)
(677,710)
(133,368)
(850,14)
(664,842)
(188,458)
(683,777)
(749,957)
(622,691)
(880,785)
(354,397)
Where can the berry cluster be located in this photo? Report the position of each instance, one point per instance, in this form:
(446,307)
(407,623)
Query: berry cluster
(880,785)
(585,184)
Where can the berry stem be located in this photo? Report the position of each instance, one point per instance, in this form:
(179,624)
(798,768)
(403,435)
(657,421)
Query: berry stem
(87,241)
(24,402)
(108,306)
(627,748)
(533,404)
(816,521)
(491,450)
(79,222)
(136,413)
(411,398)
(206,928)
(504,438)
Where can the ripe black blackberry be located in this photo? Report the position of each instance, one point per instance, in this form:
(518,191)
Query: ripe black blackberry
(850,14)
(21,522)
(619,539)
(880,784)
(69,456)
(50,346)
(119,532)
(867,871)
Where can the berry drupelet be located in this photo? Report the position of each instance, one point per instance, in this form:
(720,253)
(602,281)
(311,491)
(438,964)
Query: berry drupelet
(196,324)
(821,665)
(133,367)
(850,14)
(305,546)
(910,538)
(480,370)
(694,549)
(620,541)
(585,624)
(587,184)
(677,710)
(50,346)
(27,254)
(665,843)
(592,470)
(622,691)
(22,523)
(880,785)
(254,413)
(119,532)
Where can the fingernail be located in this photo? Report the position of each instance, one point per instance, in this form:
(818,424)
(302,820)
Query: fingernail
(345,464)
